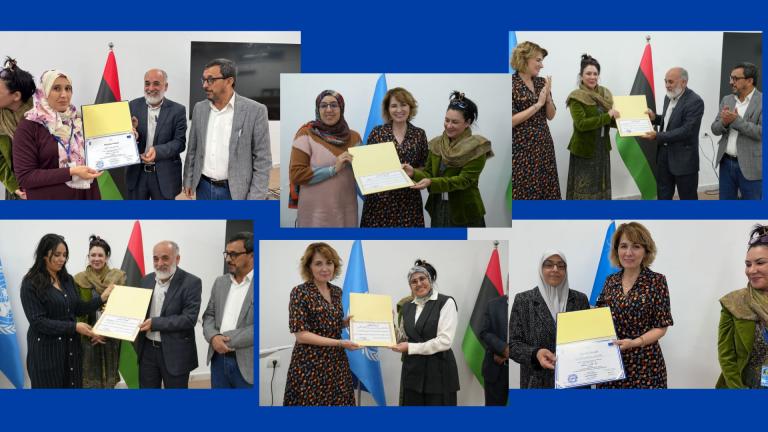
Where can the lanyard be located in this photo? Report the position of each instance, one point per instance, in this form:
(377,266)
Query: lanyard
(68,147)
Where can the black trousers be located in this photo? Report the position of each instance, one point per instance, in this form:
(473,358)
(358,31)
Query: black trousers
(496,392)
(687,185)
(413,398)
(148,187)
(152,370)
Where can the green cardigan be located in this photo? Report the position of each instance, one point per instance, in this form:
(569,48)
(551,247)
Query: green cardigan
(6,172)
(735,339)
(587,123)
(464,200)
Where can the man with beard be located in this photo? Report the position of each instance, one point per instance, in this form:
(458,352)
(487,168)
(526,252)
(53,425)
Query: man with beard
(677,161)
(162,127)
(740,150)
(228,319)
(166,347)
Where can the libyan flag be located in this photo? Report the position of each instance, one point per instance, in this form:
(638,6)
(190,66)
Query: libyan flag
(639,154)
(111,183)
(133,266)
(491,288)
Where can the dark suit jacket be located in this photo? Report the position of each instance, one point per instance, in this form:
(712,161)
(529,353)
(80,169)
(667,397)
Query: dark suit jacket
(176,322)
(493,334)
(682,134)
(169,142)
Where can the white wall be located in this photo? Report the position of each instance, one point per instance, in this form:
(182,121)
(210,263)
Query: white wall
(460,269)
(619,55)
(702,260)
(135,53)
(200,245)
(431,91)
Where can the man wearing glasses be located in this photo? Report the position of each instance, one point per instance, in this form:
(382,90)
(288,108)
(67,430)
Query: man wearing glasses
(228,156)
(740,150)
(228,319)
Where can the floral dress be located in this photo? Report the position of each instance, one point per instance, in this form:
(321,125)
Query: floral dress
(644,307)
(317,375)
(400,207)
(534,170)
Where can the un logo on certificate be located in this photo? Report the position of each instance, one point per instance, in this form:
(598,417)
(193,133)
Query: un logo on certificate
(572,378)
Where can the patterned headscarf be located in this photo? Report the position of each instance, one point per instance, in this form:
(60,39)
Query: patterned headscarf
(423,270)
(337,134)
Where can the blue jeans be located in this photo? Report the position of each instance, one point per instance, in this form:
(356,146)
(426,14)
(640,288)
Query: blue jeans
(225,373)
(208,191)
(732,182)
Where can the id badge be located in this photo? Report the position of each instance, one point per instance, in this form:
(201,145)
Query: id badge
(764,376)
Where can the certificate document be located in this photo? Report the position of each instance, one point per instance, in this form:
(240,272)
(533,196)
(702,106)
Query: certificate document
(109,140)
(371,323)
(585,350)
(633,119)
(124,313)
(377,168)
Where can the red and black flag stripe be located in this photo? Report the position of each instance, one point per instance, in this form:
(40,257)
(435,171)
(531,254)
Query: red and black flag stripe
(112,182)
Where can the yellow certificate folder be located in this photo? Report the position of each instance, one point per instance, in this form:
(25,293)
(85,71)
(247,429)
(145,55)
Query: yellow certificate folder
(106,119)
(633,119)
(371,323)
(377,168)
(125,311)
(585,325)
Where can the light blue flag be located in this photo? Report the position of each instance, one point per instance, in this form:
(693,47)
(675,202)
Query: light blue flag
(604,268)
(364,362)
(374,115)
(10,356)
(512,45)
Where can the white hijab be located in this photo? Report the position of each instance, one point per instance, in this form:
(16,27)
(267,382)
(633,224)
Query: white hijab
(556,297)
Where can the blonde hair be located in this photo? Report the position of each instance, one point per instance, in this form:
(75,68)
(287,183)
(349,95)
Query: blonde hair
(326,251)
(401,95)
(636,233)
(523,52)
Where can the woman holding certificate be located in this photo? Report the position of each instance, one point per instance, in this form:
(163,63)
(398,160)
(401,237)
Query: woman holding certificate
(319,372)
(456,160)
(532,322)
(51,304)
(429,375)
(400,207)
(742,342)
(100,359)
(591,107)
(639,302)
(322,184)
(16,89)
(48,146)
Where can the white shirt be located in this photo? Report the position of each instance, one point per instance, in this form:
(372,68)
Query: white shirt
(152,114)
(216,158)
(234,303)
(733,134)
(670,108)
(156,307)
(446,329)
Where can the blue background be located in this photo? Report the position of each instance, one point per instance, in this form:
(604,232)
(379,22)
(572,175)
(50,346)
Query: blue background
(373,37)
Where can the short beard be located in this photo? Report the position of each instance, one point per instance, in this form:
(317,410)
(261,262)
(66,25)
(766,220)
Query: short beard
(154,100)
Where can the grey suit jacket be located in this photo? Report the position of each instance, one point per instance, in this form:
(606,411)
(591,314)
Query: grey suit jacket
(241,338)
(250,156)
(749,143)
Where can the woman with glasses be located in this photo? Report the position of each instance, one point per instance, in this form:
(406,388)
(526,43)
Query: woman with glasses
(16,89)
(742,342)
(639,302)
(532,323)
(322,184)
(452,173)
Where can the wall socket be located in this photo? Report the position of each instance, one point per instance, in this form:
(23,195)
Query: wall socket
(273,361)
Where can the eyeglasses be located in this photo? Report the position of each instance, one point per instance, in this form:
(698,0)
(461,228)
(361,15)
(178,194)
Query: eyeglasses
(549,265)
(233,255)
(735,78)
(332,106)
(211,80)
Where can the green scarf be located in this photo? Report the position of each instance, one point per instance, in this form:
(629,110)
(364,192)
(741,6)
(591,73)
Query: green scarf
(10,119)
(747,303)
(464,148)
(600,96)
(99,281)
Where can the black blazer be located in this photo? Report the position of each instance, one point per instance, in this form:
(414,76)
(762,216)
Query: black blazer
(681,136)
(169,142)
(176,322)
(54,358)
(493,335)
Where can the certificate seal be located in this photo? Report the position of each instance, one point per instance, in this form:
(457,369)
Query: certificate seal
(99,165)
(572,378)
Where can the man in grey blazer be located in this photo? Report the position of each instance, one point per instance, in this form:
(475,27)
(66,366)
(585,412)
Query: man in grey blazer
(228,154)
(228,319)
(740,150)
(166,347)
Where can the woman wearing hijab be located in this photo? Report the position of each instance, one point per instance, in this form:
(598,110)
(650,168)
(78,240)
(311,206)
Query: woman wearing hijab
(101,356)
(532,323)
(452,173)
(591,106)
(321,179)
(16,89)
(429,375)
(48,146)
(742,342)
